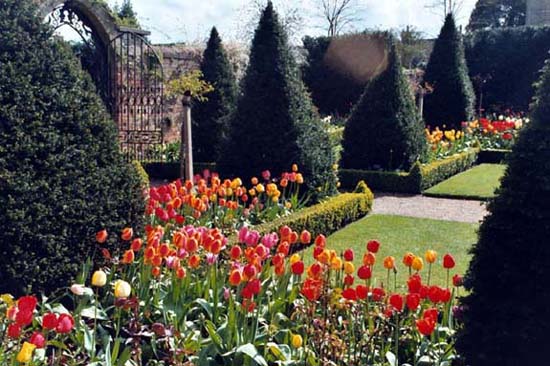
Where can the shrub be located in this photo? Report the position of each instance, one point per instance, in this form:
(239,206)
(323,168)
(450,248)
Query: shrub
(506,312)
(384,130)
(210,118)
(328,216)
(62,176)
(452,100)
(419,178)
(512,58)
(274,124)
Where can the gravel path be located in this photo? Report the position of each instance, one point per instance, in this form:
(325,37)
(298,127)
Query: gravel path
(429,207)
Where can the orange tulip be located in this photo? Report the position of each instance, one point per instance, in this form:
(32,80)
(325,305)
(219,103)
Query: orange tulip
(128,257)
(389,262)
(369,259)
(127,233)
(235,278)
(101,236)
(430,256)
(136,244)
(408,259)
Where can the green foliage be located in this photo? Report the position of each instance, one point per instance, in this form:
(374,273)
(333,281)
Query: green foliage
(419,178)
(125,15)
(326,217)
(62,176)
(143,176)
(333,91)
(452,101)
(275,124)
(512,58)
(497,14)
(506,311)
(440,170)
(192,83)
(384,130)
(211,117)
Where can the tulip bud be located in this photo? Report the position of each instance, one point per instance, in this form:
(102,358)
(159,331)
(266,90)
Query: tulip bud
(101,236)
(99,278)
(122,289)
(297,341)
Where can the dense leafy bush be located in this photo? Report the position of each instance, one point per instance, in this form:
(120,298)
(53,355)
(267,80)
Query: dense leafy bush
(333,90)
(384,130)
(497,14)
(506,312)
(211,117)
(62,176)
(275,123)
(452,101)
(511,59)
(419,178)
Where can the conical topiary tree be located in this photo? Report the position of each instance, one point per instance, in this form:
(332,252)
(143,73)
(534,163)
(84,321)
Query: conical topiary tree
(506,314)
(384,130)
(211,117)
(452,101)
(275,124)
(62,176)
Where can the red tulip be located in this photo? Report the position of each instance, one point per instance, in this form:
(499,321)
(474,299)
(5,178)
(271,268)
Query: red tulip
(425,326)
(445,295)
(414,283)
(320,241)
(364,272)
(236,252)
(431,313)
(458,280)
(348,280)
(349,294)
(305,237)
(362,292)
(49,321)
(65,324)
(127,233)
(348,255)
(413,301)
(14,330)
(23,317)
(396,301)
(448,261)
(38,340)
(297,268)
(378,294)
(373,246)
(434,294)
(27,303)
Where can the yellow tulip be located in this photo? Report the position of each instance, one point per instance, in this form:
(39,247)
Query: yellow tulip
(260,188)
(417,264)
(25,355)
(294,258)
(122,289)
(336,263)
(349,268)
(99,278)
(297,341)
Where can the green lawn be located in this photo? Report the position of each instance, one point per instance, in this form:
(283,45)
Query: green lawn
(398,235)
(480,182)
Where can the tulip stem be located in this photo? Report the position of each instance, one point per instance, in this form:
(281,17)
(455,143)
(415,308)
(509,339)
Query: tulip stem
(95,323)
(429,273)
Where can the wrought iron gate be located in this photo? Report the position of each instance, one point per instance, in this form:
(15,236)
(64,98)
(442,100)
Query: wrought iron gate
(136,90)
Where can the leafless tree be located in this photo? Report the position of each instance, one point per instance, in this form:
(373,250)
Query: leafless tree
(445,7)
(290,14)
(338,14)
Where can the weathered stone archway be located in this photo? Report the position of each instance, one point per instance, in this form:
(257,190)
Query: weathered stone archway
(131,76)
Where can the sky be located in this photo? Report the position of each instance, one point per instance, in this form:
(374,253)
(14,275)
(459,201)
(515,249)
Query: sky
(190,20)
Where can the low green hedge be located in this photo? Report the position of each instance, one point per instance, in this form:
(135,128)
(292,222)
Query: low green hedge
(171,171)
(328,216)
(418,179)
(440,170)
(492,156)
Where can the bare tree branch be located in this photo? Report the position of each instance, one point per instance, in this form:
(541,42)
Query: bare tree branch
(338,14)
(446,7)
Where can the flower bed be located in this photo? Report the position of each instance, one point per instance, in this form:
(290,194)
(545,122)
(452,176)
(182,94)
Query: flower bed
(181,295)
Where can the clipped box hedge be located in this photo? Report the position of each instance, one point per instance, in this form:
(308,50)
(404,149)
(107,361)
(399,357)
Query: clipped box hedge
(328,216)
(419,178)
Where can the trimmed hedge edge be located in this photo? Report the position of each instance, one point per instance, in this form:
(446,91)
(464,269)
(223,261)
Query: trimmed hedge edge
(419,178)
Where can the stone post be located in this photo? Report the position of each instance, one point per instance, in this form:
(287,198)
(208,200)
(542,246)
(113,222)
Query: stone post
(186,146)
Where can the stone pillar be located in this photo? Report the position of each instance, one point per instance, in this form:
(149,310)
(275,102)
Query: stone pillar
(186,144)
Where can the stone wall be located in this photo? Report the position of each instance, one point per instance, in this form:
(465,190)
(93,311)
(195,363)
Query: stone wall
(179,58)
